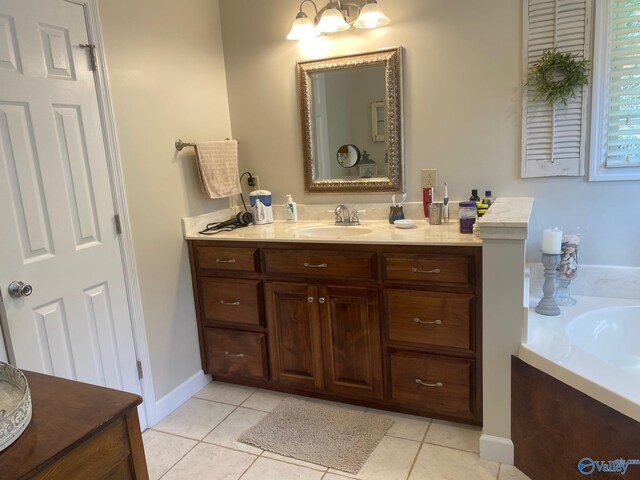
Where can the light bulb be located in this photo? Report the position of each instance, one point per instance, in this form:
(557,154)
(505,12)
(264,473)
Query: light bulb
(332,20)
(371,16)
(302,28)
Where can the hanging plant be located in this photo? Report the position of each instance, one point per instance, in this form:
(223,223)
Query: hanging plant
(557,75)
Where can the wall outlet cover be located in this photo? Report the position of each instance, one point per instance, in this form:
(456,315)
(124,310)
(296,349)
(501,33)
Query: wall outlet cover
(430,178)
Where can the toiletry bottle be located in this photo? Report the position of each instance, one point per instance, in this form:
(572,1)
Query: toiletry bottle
(487,199)
(474,195)
(291,210)
(446,203)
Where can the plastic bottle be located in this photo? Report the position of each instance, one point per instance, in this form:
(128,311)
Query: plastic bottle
(487,199)
(291,210)
(474,195)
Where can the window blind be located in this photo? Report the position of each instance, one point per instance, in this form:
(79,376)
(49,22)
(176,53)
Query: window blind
(622,122)
(553,137)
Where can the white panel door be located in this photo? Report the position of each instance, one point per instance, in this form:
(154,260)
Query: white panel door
(57,231)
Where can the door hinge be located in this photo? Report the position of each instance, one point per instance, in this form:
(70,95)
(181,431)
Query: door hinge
(94,55)
(139,365)
(116,219)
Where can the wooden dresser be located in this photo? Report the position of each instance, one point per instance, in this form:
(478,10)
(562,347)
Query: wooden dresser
(395,327)
(78,431)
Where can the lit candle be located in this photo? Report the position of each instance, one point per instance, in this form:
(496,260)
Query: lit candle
(552,241)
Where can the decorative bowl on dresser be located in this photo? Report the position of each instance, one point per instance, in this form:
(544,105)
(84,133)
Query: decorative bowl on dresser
(396,327)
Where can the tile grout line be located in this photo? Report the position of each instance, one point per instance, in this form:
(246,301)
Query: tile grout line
(179,460)
(415,459)
(452,448)
(499,468)
(246,469)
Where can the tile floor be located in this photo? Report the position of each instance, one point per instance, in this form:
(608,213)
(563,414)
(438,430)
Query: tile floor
(197,441)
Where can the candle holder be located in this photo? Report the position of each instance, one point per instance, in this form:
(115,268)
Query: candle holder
(548,305)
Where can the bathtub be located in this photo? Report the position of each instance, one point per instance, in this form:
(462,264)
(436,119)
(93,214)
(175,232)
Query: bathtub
(593,346)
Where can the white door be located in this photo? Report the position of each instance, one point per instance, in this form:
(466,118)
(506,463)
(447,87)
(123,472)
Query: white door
(57,230)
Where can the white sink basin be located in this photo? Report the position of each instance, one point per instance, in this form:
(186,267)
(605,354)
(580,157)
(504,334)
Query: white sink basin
(333,231)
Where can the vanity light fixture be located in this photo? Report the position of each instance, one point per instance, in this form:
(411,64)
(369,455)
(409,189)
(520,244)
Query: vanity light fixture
(337,16)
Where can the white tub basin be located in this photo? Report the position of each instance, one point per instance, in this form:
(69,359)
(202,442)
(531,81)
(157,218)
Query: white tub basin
(331,231)
(611,334)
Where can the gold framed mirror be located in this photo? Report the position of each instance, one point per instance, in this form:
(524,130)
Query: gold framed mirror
(352,100)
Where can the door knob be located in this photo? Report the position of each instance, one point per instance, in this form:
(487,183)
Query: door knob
(19,289)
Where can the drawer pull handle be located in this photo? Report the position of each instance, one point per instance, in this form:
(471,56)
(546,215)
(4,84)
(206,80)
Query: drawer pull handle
(311,265)
(231,260)
(437,384)
(417,270)
(425,322)
(235,355)
(237,302)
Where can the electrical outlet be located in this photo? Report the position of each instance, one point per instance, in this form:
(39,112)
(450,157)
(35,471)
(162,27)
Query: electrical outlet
(254,181)
(430,178)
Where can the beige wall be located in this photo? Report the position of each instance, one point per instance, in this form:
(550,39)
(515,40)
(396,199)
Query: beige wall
(166,69)
(462,112)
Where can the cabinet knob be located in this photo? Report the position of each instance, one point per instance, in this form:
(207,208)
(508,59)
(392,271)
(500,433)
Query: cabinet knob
(321,299)
(310,299)
(427,384)
(427,322)
(417,270)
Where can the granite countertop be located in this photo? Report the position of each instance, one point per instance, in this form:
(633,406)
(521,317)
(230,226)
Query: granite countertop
(369,232)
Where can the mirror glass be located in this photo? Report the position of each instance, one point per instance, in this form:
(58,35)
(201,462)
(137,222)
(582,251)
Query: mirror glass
(352,128)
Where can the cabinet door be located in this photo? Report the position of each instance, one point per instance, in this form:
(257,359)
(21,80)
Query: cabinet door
(295,349)
(351,341)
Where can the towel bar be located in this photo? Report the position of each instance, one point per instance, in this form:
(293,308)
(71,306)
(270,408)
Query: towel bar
(180,144)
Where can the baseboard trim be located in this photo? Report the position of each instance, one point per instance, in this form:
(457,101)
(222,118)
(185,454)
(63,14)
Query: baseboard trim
(496,449)
(180,394)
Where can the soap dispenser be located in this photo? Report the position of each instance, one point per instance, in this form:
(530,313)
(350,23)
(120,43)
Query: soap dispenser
(291,210)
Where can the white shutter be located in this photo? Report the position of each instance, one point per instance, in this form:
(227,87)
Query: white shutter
(553,138)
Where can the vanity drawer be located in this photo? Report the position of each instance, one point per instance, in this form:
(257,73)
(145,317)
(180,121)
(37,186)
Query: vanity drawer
(448,269)
(230,301)
(227,259)
(321,263)
(236,354)
(432,383)
(430,318)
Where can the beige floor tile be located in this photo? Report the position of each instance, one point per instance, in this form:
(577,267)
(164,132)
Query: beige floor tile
(210,462)
(195,418)
(233,426)
(391,460)
(264,400)
(405,426)
(454,435)
(441,463)
(333,476)
(163,450)
(225,393)
(295,461)
(509,472)
(268,469)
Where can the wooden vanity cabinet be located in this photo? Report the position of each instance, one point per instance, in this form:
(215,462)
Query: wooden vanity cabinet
(392,327)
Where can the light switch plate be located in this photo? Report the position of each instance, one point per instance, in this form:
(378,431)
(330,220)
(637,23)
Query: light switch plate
(430,178)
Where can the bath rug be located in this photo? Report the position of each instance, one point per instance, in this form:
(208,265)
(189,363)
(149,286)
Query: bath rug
(327,435)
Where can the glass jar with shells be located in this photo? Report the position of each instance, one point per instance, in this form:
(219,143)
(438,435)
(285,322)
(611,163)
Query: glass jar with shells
(567,269)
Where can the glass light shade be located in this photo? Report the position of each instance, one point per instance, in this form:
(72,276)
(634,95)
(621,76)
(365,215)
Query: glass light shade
(302,29)
(332,21)
(371,16)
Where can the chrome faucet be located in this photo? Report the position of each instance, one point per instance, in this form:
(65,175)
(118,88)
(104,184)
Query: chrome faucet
(343,217)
